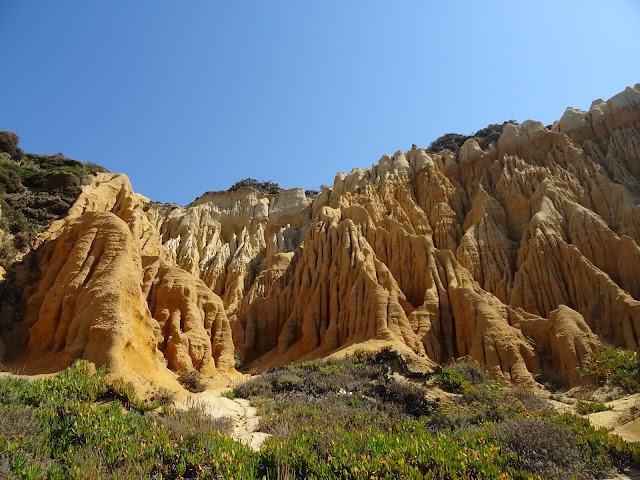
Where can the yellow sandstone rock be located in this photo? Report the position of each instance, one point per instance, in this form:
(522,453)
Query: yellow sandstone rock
(523,256)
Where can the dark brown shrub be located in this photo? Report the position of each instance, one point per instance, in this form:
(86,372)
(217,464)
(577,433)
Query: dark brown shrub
(410,396)
(18,420)
(543,447)
(191,381)
(9,143)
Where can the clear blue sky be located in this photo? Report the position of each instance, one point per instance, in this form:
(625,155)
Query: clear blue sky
(190,96)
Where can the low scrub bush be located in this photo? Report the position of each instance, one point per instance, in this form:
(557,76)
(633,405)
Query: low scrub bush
(407,395)
(256,387)
(454,141)
(316,378)
(601,449)
(71,426)
(263,187)
(164,397)
(482,404)
(34,191)
(18,421)
(586,408)
(471,371)
(543,446)
(450,379)
(287,382)
(192,381)
(616,367)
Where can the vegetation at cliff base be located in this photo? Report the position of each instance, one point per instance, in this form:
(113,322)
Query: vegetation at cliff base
(358,418)
(614,367)
(352,418)
(78,425)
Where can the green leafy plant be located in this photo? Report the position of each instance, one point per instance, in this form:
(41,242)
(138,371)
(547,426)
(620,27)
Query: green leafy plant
(450,379)
(614,367)
(230,394)
(335,423)
(586,408)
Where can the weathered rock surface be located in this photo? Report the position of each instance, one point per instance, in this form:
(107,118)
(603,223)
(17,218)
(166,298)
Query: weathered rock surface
(524,256)
(101,287)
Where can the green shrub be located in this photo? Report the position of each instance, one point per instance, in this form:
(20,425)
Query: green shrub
(450,379)
(530,401)
(263,187)
(471,371)
(454,141)
(288,382)
(230,394)
(316,378)
(238,357)
(34,191)
(488,403)
(599,448)
(254,388)
(491,133)
(448,141)
(586,408)
(409,396)
(614,367)
(13,219)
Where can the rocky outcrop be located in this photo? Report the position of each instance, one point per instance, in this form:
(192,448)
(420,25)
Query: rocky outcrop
(562,343)
(223,237)
(450,255)
(523,255)
(101,287)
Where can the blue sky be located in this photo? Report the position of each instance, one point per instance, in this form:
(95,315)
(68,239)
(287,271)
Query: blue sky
(186,97)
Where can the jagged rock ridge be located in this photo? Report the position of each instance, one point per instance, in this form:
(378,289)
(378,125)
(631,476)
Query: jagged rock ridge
(523,256)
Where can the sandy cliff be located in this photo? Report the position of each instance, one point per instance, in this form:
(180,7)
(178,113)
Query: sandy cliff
(101,287)
(523,256)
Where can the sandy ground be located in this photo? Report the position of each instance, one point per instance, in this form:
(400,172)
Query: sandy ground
(244,416)
(623,418)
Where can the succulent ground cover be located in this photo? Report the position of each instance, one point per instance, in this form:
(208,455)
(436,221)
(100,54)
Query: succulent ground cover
(349,418)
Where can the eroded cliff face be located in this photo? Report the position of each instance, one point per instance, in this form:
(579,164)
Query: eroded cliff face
(478,254)
(523,256)
(101,287)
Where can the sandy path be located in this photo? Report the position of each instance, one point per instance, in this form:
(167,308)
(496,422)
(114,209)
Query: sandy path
(623,418)
(244,416)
